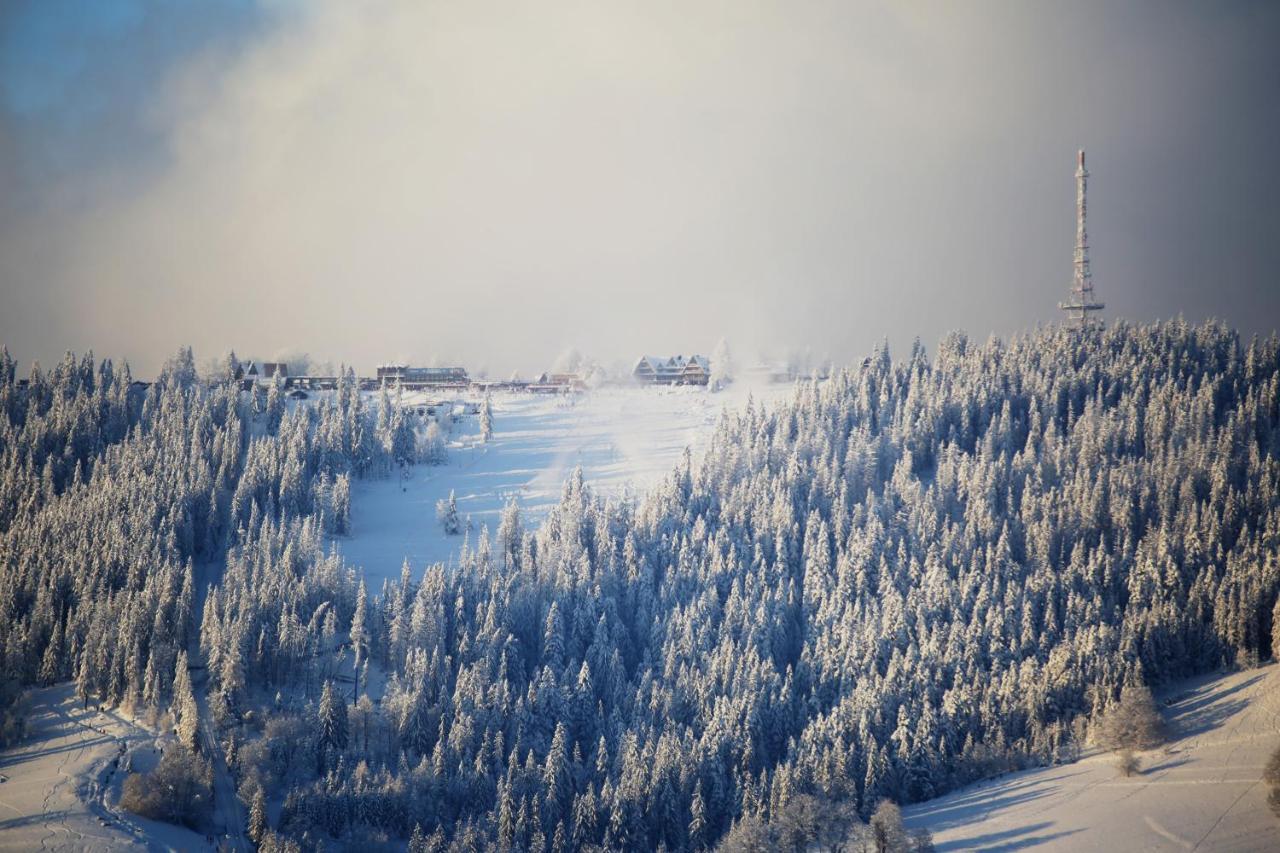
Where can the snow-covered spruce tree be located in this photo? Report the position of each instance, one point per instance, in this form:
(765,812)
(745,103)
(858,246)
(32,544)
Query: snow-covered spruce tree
(447,515)
(186,713)
(403,436)
(258,817)
(486,418)
(275,404)
(342,504)
(332,732)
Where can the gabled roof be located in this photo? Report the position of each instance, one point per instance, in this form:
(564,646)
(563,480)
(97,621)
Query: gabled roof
(653,362)
(698,361)
(672,366)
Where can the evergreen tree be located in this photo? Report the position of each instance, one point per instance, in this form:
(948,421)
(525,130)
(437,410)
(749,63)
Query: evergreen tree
(486,418)
(447,515)
(332,714)
(258,817)
(185,711)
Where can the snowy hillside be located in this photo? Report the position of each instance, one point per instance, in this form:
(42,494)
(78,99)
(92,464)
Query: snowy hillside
(624,439)
(913,577)
(1201,791)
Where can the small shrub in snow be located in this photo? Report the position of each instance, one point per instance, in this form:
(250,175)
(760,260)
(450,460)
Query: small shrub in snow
(921,841)
(1127,763)
(1271,775)
(431,449)
(888,835)
(178,791)
(806,823)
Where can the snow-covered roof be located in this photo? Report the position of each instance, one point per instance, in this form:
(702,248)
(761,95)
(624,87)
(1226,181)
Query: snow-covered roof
(266,369)
(673,364)
(654,362)
(700,361)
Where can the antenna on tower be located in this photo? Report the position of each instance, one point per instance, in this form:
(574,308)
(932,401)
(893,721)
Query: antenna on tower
(1082,301)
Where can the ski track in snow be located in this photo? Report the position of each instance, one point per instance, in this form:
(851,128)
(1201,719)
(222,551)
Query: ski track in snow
(1202,791)
(225,802)
(52,784)
(60,785)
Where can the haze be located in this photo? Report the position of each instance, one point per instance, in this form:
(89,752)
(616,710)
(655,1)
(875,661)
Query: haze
(491,182)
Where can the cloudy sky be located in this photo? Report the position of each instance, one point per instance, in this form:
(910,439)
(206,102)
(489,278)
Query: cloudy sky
(494,181)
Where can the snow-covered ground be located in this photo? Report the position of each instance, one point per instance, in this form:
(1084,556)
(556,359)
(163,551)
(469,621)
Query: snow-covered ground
(61,784)
(625,439)
(1202,791)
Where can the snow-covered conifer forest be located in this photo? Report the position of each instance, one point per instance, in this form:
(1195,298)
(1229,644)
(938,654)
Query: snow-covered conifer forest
(916,574)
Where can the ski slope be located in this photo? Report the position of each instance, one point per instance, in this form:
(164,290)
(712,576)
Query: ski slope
(1202,791)
(625,439)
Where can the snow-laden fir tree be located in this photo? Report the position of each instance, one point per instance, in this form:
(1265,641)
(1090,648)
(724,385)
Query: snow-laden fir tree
(486,418)
(447,515)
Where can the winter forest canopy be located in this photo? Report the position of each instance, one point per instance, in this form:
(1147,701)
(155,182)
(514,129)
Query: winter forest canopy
(916,574)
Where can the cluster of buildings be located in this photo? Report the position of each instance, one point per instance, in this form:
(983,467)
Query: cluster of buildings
(419,378)
(255,374)
(649,370)
(676,370)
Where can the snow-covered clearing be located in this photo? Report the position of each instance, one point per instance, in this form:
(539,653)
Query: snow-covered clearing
(1202,791)
(60,785)
(625,439)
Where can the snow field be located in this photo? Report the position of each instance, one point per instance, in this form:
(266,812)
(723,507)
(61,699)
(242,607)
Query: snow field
(625,440)
(1202,791)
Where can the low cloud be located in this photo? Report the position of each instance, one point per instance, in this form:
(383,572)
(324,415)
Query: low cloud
(490,181)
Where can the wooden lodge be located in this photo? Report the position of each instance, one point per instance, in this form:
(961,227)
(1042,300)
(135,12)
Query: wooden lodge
(677,370)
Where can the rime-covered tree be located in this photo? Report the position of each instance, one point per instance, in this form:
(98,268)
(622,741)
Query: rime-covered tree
(723,368)
(447,515)
(486,418)
(258,817)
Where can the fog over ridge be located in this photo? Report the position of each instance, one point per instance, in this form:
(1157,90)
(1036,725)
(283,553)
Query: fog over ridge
(495,181)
